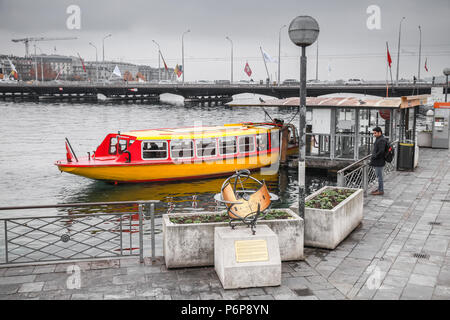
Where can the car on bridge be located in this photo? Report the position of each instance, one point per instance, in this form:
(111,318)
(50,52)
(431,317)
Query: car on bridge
(353,82)
(291,82)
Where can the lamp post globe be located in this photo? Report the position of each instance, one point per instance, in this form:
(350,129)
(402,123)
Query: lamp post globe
(446,72)
(303,31)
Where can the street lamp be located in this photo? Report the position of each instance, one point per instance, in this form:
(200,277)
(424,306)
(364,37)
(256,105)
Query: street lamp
(420,52)
(446,74)
(182,53)
(279,52)
(103,42)
(96,58)
(159,61)
(398,50)
(231,58)
(303,32)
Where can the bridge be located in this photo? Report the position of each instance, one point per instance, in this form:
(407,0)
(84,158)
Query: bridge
(191,92)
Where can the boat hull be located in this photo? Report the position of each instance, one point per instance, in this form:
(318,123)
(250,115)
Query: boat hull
(172,171)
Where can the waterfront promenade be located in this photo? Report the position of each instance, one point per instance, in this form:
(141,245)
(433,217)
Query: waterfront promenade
(400,251)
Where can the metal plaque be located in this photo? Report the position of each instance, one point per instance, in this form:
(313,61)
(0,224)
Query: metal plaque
(251,250)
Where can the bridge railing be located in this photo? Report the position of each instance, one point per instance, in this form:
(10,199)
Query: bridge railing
(116,232)
(362,176)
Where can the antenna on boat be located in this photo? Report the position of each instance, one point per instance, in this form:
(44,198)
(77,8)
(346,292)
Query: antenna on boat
(267,114)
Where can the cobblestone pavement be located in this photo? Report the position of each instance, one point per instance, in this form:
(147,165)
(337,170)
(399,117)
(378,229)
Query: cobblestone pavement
(400,251)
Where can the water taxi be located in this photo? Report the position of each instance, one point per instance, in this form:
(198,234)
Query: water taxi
(172,154)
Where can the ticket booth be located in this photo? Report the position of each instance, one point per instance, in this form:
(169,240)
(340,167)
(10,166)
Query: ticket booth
(441,133)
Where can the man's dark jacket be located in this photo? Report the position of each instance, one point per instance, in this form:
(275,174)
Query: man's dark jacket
(379,149)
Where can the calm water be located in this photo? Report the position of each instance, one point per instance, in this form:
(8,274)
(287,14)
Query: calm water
(32,139)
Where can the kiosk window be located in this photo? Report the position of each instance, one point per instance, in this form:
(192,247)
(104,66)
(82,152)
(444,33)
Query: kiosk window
(152,150)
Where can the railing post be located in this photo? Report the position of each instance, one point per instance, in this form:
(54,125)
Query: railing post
(141,235)
(340,179)
(152,217)
(365,180)
(6,242)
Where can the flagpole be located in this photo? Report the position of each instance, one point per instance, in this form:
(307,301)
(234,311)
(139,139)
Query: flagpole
(264,59)
(390,69)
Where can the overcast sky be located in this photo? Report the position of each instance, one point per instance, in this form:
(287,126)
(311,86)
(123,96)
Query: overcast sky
(346,45)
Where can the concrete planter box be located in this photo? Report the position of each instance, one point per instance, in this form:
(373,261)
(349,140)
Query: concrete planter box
(192,245)
(424,139)
(327,228)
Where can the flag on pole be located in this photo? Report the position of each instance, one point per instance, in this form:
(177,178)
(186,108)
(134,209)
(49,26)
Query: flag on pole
(13,70)
(117,72)
(267,57)
(389,58)
(247,69)
(69,156)
(426,68)
(165,65)
(178,70)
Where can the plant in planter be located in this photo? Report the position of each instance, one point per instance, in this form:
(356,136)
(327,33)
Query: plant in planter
(331,214)
(188,238)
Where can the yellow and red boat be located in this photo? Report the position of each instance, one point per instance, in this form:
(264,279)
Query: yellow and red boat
(186,153)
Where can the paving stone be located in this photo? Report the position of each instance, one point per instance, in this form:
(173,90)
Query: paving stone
(44,269)
(9,288)
(422,280)
(427,269)
(18,271)
(442,292)
(416,292)
(31,287)
(16,279)
(263,297)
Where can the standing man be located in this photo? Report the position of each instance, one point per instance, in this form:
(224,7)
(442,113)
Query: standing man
(377,160)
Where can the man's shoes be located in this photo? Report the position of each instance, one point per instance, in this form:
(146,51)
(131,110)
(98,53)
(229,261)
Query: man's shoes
(377,193)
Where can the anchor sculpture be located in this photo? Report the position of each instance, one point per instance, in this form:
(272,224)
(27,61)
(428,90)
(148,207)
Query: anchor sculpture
(245,205)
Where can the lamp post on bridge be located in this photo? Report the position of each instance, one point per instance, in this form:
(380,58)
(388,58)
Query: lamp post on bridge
(231,58)
(96,59)
(182,53)
(103,42)
(398,50)
(303,32)
(279,53)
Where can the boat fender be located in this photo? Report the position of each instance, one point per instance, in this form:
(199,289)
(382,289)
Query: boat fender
(129,156)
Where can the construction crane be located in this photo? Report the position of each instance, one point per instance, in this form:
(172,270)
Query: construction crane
(28,40)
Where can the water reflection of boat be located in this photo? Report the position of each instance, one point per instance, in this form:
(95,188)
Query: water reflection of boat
(179,153)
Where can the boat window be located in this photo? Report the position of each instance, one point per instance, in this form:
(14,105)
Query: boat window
(154,150)
(122,145)
(261,142)
(131,142)
(246,144)
(182,149)
(227,145)
(206,147)
(275,138)
(113,145)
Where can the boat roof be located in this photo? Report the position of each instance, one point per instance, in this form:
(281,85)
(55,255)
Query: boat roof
(198,132)
(342,102)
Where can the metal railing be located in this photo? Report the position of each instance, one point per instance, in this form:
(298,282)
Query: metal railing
(110,234)
(361,176)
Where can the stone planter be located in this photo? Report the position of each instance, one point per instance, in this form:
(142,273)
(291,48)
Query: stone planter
(192,245)
(327,228)
(424,139)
